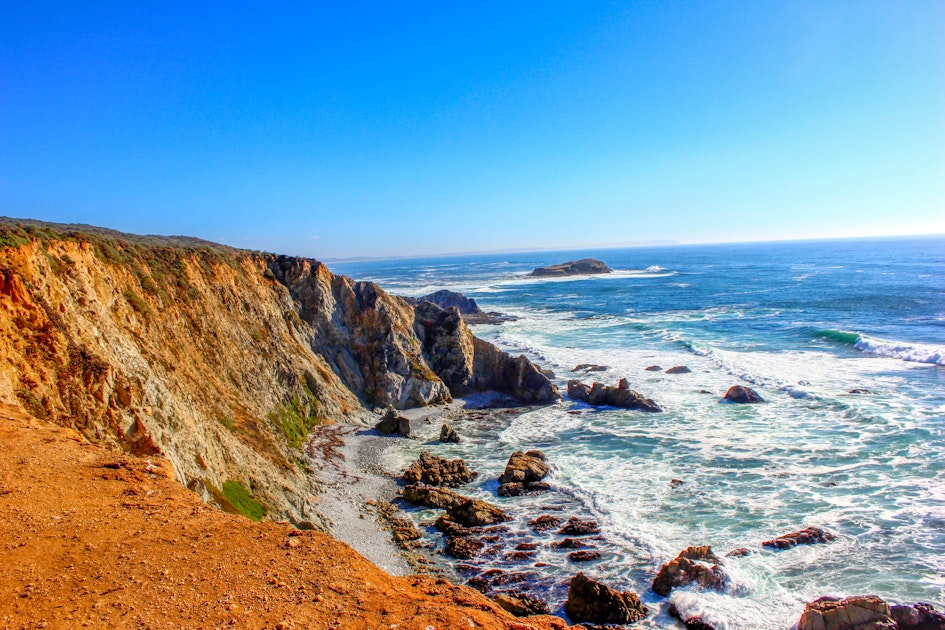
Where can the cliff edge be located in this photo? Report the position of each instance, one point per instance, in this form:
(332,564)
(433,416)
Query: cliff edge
(221,360)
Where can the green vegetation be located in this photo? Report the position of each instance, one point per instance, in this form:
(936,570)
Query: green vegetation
(137,303)
(225,421)
(296,419)
(236,499)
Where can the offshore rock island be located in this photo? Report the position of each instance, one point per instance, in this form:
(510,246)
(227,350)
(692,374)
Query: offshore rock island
(583,267)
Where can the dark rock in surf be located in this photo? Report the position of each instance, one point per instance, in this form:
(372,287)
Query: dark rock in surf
(679,369)
(522,489)
(448,434)
(524,467)
(576,527)
(589,367)
(431,496)
(475,513)
(691,623)
(917,617)
(653,368)
(544,522)
(586,555)
(463,547)
(603,395)
(694,565)
(860,612)
(593,602)
(808,536)
(742,395)
(585,266)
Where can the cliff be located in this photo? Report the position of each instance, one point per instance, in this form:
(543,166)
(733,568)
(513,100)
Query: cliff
(220,360)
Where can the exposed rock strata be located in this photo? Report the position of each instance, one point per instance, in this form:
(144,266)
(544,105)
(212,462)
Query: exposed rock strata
(219,359)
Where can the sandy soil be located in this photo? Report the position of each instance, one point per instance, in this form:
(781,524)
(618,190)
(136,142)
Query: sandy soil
(92,538)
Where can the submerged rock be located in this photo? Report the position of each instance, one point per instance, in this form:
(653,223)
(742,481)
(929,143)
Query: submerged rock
(808,536)
(544,522)
(679,369)
(593,602)
(691,566)
(436,471)
(448,434)
(520,489)
(583,556)
(861,612)
(577,527)
(694,622)
(585,266)
(742,395)
(463,547)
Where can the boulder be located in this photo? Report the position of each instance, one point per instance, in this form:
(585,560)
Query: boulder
(585,266)
(578,390)
(808,536)
(576,527)
(691,566)
(917,617)
(544,522)
(392,423)
(570,543)
(679,369)
(436,471)
(521,604)
(524,467)
(653,368)
(448,434)
(593,602)
(739,552)
(742,395)
(463,547)
(475,513)
(861,612)
(431,496)
(860,390)
(675,483)
(451,528)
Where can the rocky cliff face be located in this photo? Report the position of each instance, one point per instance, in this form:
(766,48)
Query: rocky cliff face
(220,360)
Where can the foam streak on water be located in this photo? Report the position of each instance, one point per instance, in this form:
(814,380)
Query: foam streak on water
(804,324)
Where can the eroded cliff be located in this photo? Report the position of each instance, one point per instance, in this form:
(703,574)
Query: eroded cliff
(220,360)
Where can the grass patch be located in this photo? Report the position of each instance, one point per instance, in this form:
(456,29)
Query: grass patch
(236,499)
(137,303)
(296,419)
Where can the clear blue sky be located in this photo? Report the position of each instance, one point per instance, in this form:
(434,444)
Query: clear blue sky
(391,128)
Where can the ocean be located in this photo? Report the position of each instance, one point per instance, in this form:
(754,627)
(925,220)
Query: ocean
(802,323)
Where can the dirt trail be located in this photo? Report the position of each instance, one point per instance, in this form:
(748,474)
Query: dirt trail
(93,538)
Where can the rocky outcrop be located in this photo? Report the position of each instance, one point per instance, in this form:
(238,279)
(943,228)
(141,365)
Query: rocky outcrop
(862,612)
(521,604)
(605,395)
(576,527)
(467,364)
(475,513)
(593,602)
(808,536)
(436,471)
(523,474)
(585,266)
(694,565)
(448,435)
(868,612)
(742,395)
(433,497)
(466,306)
(392,423)
(917,617)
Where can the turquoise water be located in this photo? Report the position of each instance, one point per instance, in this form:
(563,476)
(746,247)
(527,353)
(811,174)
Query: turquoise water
(803,324)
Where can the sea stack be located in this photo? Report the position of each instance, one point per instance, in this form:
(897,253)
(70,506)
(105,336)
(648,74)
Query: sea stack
(583,267)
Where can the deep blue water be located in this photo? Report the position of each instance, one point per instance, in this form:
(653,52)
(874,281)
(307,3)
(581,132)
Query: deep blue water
(803,324)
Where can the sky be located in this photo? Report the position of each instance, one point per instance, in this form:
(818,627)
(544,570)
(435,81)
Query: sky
(417,128)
